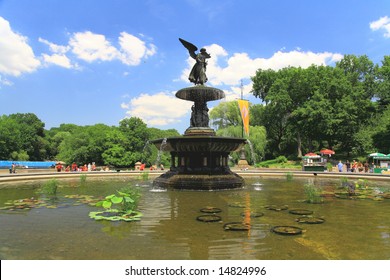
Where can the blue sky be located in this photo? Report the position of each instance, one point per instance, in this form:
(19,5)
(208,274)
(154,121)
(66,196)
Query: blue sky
(99,61)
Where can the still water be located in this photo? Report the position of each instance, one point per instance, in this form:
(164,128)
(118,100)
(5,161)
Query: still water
(354,229)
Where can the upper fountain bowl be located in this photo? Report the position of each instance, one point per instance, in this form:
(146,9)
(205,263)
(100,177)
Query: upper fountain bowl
(200,93)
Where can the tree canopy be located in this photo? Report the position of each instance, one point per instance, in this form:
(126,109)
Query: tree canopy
(323,106)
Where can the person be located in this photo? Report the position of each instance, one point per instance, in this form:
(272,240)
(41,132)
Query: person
(89,167)
(13,168)
(348,166)
(74,166)
(354,166)
(59,167)
(161,166)
(366,167)
(360,167)
(340,166)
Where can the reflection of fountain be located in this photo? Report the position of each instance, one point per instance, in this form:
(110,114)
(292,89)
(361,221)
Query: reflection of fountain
(199,159)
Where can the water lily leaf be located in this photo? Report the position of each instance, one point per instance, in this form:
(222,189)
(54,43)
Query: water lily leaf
(110,196)
(99,204)
(128,199)
(116,199)
(107,204)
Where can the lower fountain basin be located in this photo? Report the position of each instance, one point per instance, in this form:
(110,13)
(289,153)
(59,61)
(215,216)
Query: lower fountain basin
(199,162)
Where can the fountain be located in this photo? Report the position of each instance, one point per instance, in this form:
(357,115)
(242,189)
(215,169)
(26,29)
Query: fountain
(199,158)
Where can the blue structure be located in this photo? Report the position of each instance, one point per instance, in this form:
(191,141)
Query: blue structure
(5,164)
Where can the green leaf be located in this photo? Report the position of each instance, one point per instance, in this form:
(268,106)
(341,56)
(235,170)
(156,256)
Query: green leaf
(110,196)
(128,199)
(107,204)
(116,199)
(99,203)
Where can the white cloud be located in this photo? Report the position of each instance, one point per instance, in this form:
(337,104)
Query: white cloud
(133,49)
(54,47)
(59,56)
(16,56)
(5,82)
(91,47)
(58,59)
(382,23)
(240,66)
(157,109)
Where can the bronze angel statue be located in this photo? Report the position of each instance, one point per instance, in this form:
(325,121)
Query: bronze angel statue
(198,72)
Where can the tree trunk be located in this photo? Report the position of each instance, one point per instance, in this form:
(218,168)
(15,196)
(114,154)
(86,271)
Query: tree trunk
(299,145)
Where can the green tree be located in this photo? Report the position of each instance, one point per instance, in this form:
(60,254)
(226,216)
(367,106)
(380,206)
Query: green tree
(31,135)
(255,149)
(225,114)
(10,136)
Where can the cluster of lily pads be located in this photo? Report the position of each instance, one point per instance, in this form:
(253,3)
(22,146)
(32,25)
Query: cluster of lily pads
(360,189)
(18,205)
(120,206)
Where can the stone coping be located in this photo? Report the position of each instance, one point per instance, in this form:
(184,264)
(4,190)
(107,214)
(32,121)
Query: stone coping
(154,173)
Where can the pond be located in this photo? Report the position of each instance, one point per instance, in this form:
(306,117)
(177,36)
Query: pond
(354,228)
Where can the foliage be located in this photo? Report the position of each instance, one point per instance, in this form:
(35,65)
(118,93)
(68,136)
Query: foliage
(226,117)
(279,161)
(22,137)
(119,206)
(313,194)
(83,179)
(320,105)
(49,187)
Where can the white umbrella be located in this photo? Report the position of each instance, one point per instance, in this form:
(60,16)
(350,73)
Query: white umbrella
(377,155)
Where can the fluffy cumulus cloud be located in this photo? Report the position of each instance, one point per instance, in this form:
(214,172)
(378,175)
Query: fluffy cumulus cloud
(133,49)
(59,55)
(383,24)
(16,55)
(157,109)
(92,47)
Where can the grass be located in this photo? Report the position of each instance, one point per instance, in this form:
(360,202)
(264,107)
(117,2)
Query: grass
(280,162)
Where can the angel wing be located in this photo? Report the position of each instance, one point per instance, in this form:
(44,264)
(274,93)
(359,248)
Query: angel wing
(190,47)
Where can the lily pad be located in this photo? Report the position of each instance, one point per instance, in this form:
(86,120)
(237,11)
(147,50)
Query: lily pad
(210,210)
(286,230)
(237,226)
(276,207)
(310,220)
(209,218)
(300,212)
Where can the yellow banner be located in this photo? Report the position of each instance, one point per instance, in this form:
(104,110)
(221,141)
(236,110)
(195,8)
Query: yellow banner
(244,109)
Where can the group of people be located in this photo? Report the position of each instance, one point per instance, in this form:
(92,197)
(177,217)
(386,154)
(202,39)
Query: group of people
(75,168)
(355,166)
